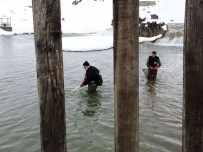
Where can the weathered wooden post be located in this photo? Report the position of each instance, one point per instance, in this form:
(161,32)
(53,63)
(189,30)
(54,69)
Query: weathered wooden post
(48,46)
(193,77)
(126,78)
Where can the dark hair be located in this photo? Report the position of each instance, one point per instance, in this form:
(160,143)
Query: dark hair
(86,63)
(154,52)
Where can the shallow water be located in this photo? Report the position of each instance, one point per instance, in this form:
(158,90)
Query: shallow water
(89,118)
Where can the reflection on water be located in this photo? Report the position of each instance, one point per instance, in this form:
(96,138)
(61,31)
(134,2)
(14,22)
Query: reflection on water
(92,102)
(151,86)
(161,101)
(90,118)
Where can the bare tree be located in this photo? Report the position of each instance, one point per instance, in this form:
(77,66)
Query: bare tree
(193,77)
(126,77)
(48,46)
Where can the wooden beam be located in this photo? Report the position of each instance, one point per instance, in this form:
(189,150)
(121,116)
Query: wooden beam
(147,3)
(193,77)
(49,57)
(126,75)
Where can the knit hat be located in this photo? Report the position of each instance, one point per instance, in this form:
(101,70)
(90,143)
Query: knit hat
(86,63)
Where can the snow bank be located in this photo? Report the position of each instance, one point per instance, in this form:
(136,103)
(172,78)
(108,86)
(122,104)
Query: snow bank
(149,39)
(169,11)
(87,43)
(102,40)
(89,16)
(2,32)
(86,17)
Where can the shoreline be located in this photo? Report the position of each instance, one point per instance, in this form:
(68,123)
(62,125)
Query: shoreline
(177,26)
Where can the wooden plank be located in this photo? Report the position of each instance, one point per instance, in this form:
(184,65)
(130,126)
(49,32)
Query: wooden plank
(147,3)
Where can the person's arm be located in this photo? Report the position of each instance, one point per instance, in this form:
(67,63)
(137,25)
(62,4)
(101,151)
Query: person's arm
(147,63)
(86,80)
(159,63)
(150,67)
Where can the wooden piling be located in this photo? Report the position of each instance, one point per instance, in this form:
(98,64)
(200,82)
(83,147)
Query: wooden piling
(126,78)
(193,74)
(49,58)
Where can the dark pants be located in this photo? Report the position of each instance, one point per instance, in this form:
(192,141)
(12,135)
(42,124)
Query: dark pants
(152,74)
(92,87)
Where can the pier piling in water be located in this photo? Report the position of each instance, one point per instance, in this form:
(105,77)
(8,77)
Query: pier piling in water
(193,74)
(49,55)
(126,78)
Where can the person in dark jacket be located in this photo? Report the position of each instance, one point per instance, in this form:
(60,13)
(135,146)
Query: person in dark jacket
(153,63)
(90,77)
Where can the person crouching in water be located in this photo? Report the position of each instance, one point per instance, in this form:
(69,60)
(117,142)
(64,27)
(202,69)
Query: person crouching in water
(153,63)
(90,77)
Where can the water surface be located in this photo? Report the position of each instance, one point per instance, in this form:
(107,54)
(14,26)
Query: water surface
(89,118)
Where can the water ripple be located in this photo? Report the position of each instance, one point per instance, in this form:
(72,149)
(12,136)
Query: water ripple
(90,118)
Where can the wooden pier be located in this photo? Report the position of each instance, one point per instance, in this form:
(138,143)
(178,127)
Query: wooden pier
(5,24)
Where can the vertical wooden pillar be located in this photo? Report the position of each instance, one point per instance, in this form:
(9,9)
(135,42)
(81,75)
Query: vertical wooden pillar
(126,78)
(193,77)
(49,56)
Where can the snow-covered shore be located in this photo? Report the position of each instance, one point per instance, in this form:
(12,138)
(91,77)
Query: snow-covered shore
(89,16)
(95,42)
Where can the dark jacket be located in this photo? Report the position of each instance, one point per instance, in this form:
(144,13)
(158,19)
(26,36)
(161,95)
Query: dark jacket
(153,61)
(90,75)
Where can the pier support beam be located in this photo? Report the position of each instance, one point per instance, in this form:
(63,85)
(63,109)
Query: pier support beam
(126,78)
(48,46)
(193,77)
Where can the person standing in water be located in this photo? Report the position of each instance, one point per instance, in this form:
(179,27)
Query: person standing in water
(90,77)
(153,63)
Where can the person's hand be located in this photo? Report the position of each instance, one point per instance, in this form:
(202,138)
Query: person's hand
(150,67)
(81,85)
(156,68)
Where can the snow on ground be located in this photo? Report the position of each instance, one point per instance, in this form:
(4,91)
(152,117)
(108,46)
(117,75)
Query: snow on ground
(169,11)
(89,16)
(2,32)
(95,42)
(86,17)
(149,39)
(87,43)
